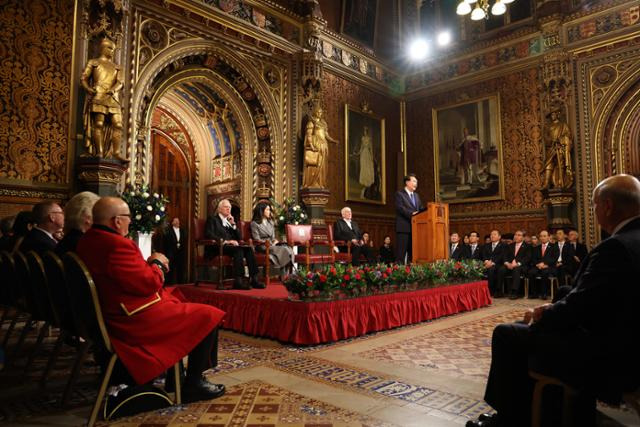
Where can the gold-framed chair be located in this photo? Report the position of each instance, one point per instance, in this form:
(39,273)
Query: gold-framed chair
(302,235)
(84,296)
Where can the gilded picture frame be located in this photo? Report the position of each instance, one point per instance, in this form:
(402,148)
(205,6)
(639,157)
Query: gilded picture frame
(359,21)
(364,153)
(468,157)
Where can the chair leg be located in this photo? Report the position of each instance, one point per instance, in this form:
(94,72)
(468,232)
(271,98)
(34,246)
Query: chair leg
(176,372)
(36,348)
(536,404)
(52,359)
(12,326)
(102,391)
(82,355)
(23,336)
(526,287)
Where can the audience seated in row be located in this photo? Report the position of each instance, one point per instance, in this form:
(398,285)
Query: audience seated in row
(585,339)
(511,257)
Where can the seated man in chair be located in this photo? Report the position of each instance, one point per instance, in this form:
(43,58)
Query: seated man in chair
(222,226)
(150,328)
(347,230)
(586,338)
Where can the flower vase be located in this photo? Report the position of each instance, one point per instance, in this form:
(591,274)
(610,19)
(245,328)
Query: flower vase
(144,243)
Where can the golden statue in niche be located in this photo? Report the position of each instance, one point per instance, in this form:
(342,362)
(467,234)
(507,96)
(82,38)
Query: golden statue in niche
(558,172)
(102,79)
(316,150)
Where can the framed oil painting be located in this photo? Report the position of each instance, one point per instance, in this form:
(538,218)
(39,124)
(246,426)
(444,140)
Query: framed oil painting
(359,20)
(468,151)
(364,156)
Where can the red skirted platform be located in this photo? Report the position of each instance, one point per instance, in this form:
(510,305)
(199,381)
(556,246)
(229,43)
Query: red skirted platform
(268,313)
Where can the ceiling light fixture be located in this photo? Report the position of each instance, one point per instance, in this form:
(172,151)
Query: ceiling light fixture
(481,10)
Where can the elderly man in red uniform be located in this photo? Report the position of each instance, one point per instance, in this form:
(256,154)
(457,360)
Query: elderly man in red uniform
(150,328)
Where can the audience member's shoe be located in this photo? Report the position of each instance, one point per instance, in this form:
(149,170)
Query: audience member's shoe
(533,296)
(513,296)
(238,283)
(485,420)
(543,296)
(201,390)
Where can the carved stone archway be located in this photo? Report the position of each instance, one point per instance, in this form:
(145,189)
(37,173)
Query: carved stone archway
(251,100)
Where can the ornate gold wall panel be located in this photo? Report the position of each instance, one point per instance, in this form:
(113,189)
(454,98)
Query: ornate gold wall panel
(522,143)
(339,91)
(35,70)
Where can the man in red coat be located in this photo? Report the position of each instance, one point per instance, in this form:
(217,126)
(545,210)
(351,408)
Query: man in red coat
(151,329)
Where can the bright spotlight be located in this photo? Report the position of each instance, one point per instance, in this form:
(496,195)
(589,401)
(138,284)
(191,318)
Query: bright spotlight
(418,49)
(444,38)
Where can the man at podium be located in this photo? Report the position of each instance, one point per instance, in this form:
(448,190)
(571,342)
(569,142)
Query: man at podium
(407,204)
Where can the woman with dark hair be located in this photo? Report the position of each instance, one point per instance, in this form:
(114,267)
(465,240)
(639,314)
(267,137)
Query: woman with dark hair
(387,255)
(262,229)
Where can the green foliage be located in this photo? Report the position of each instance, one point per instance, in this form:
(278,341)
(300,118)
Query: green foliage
(148,208)
(290,212)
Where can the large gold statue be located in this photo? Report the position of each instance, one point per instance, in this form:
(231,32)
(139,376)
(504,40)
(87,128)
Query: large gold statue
(102,79)
(558,172)
(316,151)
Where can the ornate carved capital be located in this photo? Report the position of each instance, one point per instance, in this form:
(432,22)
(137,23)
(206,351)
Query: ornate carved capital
(315,196)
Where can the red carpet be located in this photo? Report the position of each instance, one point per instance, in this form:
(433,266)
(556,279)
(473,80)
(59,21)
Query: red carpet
(268,312)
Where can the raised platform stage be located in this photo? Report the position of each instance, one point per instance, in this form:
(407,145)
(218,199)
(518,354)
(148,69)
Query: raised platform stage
(268,312)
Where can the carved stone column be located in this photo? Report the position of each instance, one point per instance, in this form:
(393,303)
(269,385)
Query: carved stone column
(102,176)
(556,96)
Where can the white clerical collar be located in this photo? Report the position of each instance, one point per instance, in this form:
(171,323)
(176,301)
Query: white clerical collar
(623,223)
(46,232)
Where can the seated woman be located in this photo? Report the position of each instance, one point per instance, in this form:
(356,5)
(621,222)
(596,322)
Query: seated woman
(262,228)
(387,254)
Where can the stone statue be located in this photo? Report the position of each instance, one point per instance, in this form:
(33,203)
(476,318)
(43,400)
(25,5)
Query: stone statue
(102,79)
(316,151)
(558,172)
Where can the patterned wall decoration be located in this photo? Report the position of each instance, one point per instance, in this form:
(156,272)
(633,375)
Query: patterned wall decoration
(35,70)
(338,92)
(258,17)
(521,134)
(482,61)
(604,24)
(169,124)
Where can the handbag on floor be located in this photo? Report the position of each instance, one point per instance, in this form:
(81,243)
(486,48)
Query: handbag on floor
(134,400)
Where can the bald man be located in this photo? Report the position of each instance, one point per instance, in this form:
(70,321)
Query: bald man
(588,338)
(151,329)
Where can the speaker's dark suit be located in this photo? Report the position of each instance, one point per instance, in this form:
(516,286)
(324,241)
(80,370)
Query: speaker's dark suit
(496,255)
(523,257)
(176,252)
(38,241)
(215,230)
(460,252)
(550,258)
(585,339)
(405,207)
(342,231)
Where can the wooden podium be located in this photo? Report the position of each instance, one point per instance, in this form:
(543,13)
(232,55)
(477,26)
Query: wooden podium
(430,233)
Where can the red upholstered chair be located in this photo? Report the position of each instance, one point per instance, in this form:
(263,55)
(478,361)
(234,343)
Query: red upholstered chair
(302,235)
(340,256)
(219,260)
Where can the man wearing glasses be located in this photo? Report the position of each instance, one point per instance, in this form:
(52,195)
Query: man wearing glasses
(49,219)
(150,328)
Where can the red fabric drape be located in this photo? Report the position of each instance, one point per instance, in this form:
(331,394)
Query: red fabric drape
(320,322)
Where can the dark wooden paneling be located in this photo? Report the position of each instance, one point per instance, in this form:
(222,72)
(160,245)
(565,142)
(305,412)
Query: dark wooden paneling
(505,224)
(377,227)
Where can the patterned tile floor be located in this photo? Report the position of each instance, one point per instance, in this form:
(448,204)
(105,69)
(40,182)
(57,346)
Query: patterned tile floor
(431,374)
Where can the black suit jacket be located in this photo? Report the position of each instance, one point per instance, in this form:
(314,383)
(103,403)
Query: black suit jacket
(461,252)
(69,242)
(496,255)
(214,229)
(567,254)
(550,255)
(341,231)
(523,256)
(37,241)
(598,319)
(580,251)
(405,210)
(170,242)
(477,254)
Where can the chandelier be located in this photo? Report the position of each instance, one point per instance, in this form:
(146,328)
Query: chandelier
(482,8)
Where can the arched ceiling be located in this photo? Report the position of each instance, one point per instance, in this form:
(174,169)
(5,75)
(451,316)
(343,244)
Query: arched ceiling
(213,112)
